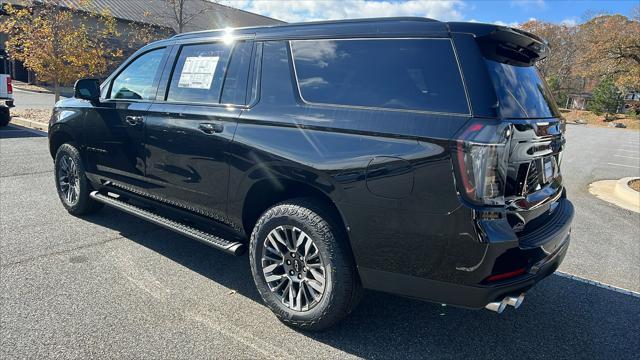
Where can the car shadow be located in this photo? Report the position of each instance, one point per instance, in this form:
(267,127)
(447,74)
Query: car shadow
(560,318)
(15,131)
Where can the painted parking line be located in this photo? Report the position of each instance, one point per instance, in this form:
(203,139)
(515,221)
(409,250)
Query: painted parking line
(629,166)
(598,284)
(627,150)
(628,157)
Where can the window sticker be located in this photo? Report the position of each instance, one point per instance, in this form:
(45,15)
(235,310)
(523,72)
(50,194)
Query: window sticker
(197,72)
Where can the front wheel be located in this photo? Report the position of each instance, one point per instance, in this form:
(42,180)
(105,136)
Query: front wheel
(71,182)
(302,265)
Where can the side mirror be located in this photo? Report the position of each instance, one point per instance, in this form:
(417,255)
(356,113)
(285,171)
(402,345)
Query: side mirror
(87,89)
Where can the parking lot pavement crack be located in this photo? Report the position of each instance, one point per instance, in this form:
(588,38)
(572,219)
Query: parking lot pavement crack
(66,251)
(26,174)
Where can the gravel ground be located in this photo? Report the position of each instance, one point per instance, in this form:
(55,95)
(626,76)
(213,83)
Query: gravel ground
(112,286)
(39,115)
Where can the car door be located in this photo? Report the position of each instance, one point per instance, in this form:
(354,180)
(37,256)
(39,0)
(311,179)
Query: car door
(191,124)
(114,128)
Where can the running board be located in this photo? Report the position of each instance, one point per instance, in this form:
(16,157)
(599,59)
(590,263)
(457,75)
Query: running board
(230,247)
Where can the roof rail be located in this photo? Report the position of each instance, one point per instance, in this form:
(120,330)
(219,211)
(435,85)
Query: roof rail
(324,22)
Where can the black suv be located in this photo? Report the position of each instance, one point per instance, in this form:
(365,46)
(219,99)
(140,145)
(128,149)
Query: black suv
(404,155)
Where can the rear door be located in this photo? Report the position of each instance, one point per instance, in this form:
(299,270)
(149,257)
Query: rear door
(191,124)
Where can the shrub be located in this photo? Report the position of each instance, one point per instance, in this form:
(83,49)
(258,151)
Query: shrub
(606,99)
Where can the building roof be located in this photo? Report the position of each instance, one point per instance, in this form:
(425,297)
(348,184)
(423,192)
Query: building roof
(208,15)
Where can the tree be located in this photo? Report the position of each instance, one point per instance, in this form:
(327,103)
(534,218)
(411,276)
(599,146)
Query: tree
(182,12)
(610,47)
(56,43)
(558,67)
(606,99)
(142,33)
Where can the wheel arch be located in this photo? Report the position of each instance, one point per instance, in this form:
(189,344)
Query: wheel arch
(265,193)
(59,134)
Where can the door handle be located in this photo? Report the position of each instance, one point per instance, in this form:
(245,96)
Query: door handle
(210,128)
(134,120)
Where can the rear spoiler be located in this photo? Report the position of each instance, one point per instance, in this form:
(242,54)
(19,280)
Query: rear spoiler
(504,44)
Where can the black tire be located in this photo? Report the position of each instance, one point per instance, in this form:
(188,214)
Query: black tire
(5,116)
(80,203)
(342,287)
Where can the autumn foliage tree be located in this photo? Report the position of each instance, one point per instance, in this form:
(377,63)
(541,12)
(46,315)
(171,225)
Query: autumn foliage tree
(558,66)
(56,43)
(605,47)
(610,47)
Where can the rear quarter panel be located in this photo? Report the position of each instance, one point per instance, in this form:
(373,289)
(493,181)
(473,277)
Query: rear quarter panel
(357,157)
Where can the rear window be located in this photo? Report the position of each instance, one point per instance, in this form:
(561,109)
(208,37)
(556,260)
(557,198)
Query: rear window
(198,73)
(407,74)
(521,91)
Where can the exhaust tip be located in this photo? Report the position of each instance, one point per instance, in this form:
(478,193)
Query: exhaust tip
(496,306)
(515,301)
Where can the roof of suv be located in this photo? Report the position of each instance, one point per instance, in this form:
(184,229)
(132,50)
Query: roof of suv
(374,27)
(333,27)
(370,26)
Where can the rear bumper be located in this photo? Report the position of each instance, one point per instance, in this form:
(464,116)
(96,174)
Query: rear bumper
(539,261)
(474,297)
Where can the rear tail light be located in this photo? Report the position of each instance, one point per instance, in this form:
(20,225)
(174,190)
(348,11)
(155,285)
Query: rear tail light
(9,86)
(481,157)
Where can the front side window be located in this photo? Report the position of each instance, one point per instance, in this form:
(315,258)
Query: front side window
(199,72)
(408,74)
(137,80)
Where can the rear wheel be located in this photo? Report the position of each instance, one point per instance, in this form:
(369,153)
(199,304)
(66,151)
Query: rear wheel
(5,116)
(71,182)
(302,265)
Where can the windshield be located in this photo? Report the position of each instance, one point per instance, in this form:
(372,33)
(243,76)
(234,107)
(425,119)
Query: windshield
(521,91)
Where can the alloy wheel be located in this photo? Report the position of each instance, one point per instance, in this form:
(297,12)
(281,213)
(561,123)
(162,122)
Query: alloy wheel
(68,180)
(293,268)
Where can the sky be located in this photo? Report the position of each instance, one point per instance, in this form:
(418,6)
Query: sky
(503,12)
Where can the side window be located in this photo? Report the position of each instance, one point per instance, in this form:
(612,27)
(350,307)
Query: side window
(235,81)
(137,80)
(199,73)
(409,74)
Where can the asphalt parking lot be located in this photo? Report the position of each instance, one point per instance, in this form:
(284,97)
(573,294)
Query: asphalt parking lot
(112,286)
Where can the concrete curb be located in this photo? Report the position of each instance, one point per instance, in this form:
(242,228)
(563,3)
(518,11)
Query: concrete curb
(624,191)
(607,190)
(64,93)
(30,124)
(32,91)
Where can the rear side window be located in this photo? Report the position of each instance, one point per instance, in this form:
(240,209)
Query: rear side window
(198,73)
(235,82)
(521,91)
(408,74)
